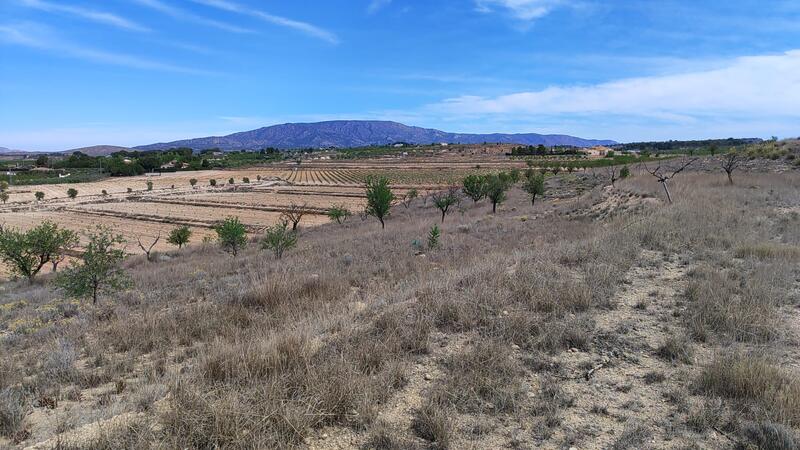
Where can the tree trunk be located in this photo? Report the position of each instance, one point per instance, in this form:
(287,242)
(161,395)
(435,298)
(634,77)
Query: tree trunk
(383,225)
(533,200)
(55,266)
(666,189)
(494,207)
(443,213)
(730,177)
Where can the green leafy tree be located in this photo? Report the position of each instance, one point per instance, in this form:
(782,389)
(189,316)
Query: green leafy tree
(3,196)
(231,235)
(294,213)
(514,176)
(39,196)
(193,182)
(27,252)
(278,238)
(3,186)
(338,214)
(444,200)
(474,187)
(409,197)
(496,187)
(246,180)
(100,270)
(72,193)
(231,180)
(180,236)
(212,182)
(379,198)
(533,185)
(149,185)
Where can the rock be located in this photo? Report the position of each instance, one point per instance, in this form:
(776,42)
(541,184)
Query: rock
(347,260)
(514,347)
(324,436)
(427,377)
(164,258)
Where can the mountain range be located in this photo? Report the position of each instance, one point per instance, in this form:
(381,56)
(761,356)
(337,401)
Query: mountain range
(359,133)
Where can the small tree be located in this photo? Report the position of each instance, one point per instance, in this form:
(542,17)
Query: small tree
(278,238)
(496,187)
(212,182)
(444,200)
(664,177)
(231,235)
(149,249)
(193,182)
(39,196)
(129,190)
(100,269)
(294,213)
(613,175)
(433,237)
(533,185)
(474,187)
(246,180)
(729,163)
(379,198)
(104,193)
(149,185)
(231,180)
(258,177)
(3,196)
(409,197)
(338,214)
(27,252)
(625,172)
(180,236)
(72,193)
(3,186)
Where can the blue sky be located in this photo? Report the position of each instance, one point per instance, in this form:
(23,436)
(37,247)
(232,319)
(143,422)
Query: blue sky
(131,72)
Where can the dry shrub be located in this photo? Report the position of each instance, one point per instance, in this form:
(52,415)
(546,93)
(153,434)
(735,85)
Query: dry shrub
(633,436)
(676,349)
(135,434)
(719,302)
(767,251)
(14,407)
(432,423)
(774,391)
(284,290)
(769,436)
(484,378)
(382,437)
(59,363)
(550,402)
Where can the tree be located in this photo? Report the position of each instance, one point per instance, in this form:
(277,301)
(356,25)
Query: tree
(72,193)
(27,252)
(338,214)
(104,192)
(3,196)
(409,197)
(433,237)
(258,177)
(148,250)
(193,182)
(664,177)
(496,187)
(474,187)
(379,198)
(100,269)
(231,235)
(729,163)
(231,180)
(129,190)
(3,186)
(533,185)
(278,238)
(246,180)
(613,176)
(212,182)
(444,200)
(179,236)
(39,196)
(42,161)
(149,185)
(294,213)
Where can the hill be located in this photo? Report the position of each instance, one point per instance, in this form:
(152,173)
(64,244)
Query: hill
(97,150)
(359,133)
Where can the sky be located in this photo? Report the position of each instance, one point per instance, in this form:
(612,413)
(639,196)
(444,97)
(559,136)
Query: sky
(75,73)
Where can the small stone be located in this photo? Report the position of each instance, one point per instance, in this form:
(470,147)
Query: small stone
(324,436)
(505,313)
(514,347)
(427,377)
(574,350)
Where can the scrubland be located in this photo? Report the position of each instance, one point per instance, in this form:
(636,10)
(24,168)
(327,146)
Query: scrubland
(599,318)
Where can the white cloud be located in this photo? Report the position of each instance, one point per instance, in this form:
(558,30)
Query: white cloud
(377,5)
(181,14)
(88,14)
(38,37)
(304,27)
(526,10)
(744,86)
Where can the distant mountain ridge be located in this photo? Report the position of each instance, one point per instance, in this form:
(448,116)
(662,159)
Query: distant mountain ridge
(97,150)
(360,133)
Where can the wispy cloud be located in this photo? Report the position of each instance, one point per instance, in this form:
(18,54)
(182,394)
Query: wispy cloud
(526,10)
(105,18)
(377,5)
(303,27)
(41,38)
(187,16)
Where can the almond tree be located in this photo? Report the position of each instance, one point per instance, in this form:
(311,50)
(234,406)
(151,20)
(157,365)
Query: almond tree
(379,199)
(27,252)
(100,269)
(294,214)
(445,199)
(730,162)
(663,176)
(533,185)
(148,250)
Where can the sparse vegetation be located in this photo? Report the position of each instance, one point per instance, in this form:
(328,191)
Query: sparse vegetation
(279,238)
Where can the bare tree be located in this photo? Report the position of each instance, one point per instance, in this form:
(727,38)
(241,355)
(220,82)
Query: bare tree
(663,177)
(148,250)
(730,162)
(613,176)
(294,213)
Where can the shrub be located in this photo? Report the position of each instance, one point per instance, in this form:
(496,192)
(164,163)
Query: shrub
(231,235)
(72,193)
(193,182)
(129,190)
(432,423)
(149,185)
(13,409)
(676,349)
(39,196)
(770,436)
(278,238)
(246,180)
(104,193)
(179,236)
(230,180)
(100,268)
(212,182)
(625,172)
(379,198)
(4,196)
(433,237)
(633,436)
(338,214)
